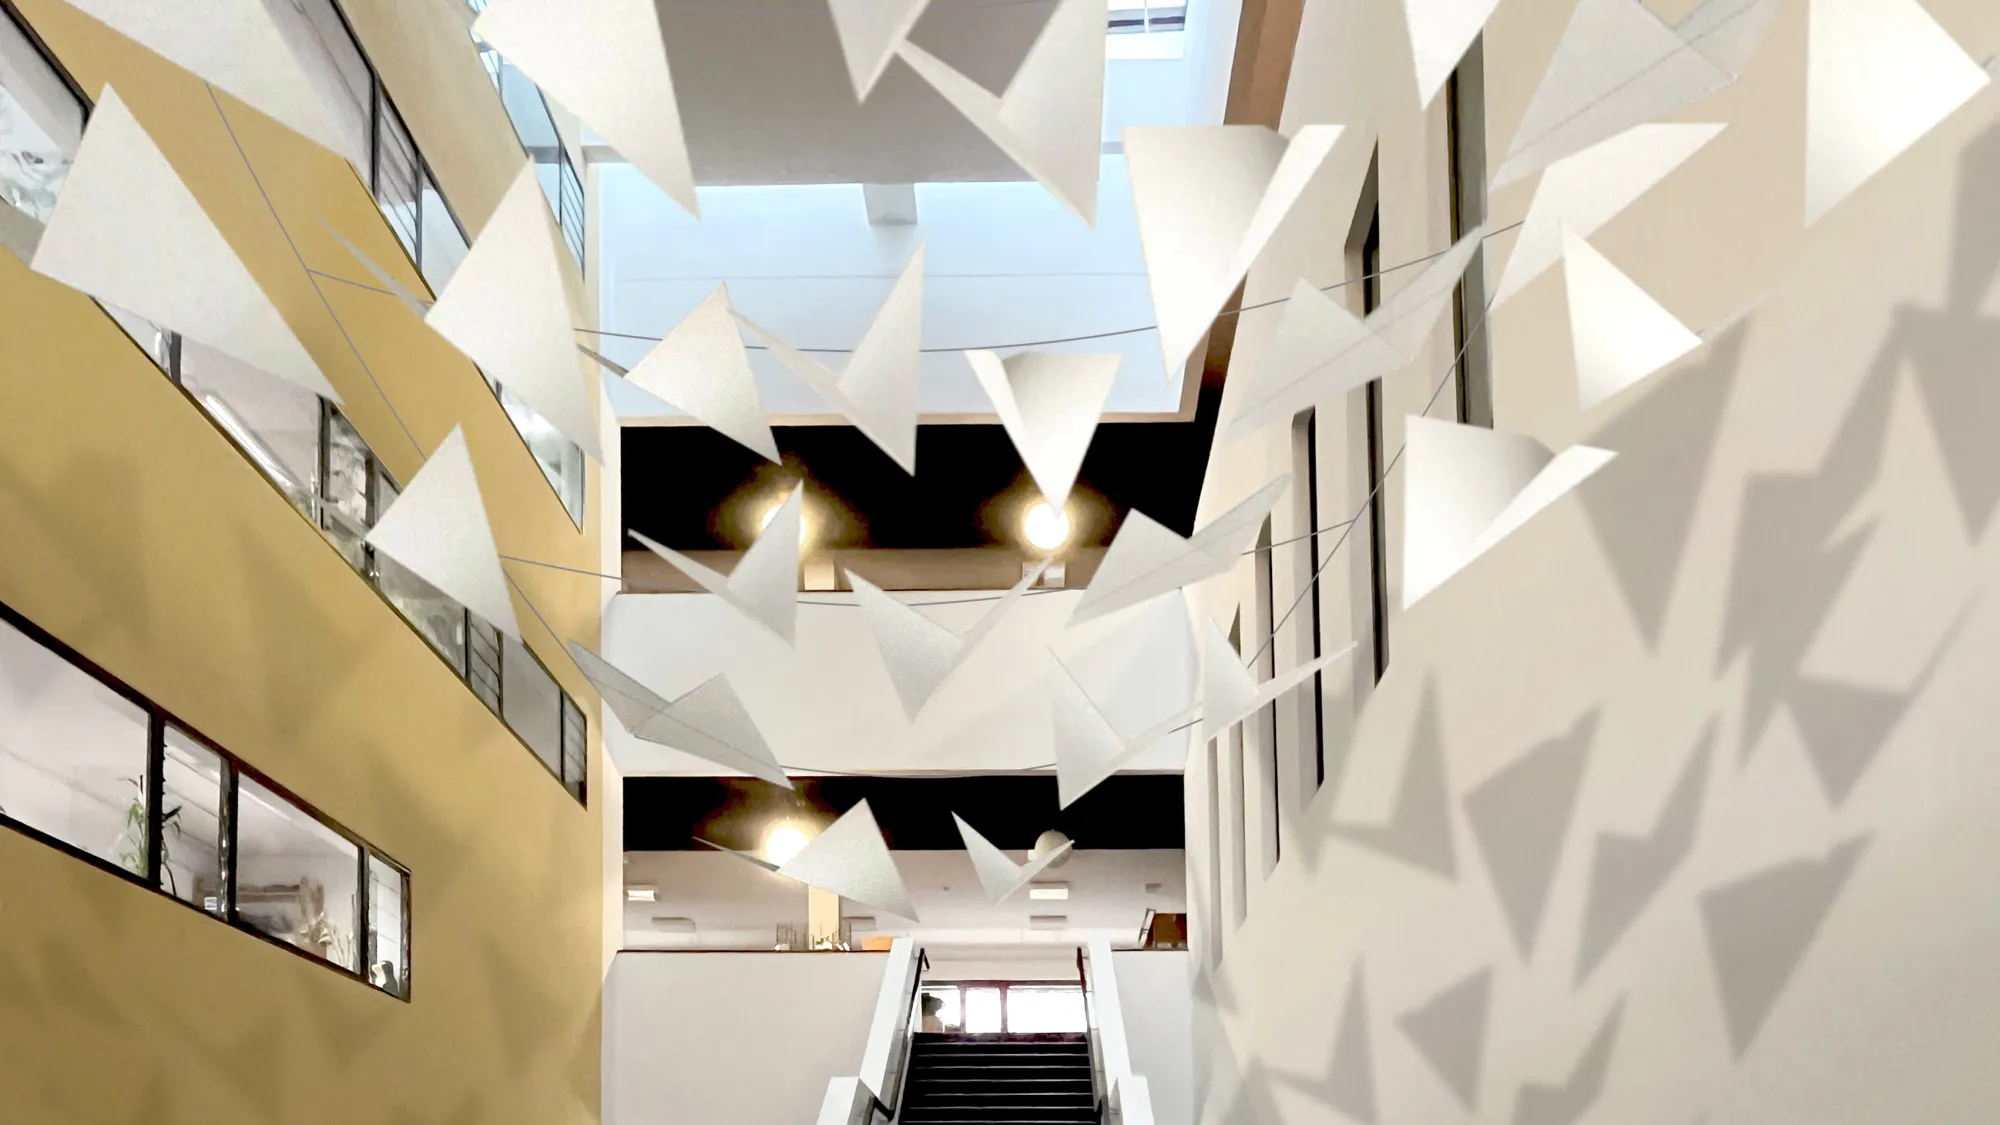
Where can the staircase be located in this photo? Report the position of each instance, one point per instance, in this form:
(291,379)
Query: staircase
(998,1080)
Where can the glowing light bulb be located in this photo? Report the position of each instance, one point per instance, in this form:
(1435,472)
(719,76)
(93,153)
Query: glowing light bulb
(1047,528)
(783,842)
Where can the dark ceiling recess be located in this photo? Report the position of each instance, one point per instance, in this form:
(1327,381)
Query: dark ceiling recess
(684,485)
(1128,811)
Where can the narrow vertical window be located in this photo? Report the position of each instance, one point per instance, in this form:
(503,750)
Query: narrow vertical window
(1377,514)
(1465,157)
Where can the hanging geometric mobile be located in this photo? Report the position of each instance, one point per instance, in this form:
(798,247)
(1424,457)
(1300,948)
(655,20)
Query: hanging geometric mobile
(1619,333)
(1087,749)
(605,61)
(238,47)
(1321,350)
(437,530)
(702,368)
(1146,560)
(1583,192)
(1879,75)
(1000,877)
(850,859)
(765,584)
(920,653)
(1469,487)
(1230,694)
(507,310)
(708,722)
(127,231)
(878,389)
(1050,404)
(1200,230)
(1619,65)
(1440,33)
(1051,119)
(870,31)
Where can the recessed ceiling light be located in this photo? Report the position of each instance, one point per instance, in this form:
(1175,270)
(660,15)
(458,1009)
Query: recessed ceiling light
(1049,892)
(642,894)
(1046,527)
(1048,921)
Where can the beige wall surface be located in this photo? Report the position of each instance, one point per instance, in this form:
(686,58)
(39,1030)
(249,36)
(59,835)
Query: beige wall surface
(136,533)
(1775,604)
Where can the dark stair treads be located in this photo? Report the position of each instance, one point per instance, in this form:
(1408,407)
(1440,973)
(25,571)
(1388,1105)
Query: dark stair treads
(999,1080)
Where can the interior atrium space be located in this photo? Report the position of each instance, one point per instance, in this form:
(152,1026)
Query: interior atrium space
(999,562)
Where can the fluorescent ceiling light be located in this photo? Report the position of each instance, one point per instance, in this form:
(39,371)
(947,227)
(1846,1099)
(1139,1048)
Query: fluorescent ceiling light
(642,894)
(1049,892)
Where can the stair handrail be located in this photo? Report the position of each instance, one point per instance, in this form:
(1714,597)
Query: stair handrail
(856,1100)
(1129,1097)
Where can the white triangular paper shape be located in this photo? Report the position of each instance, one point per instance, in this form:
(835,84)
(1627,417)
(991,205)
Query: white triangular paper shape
(128,232)
(708,722)
(765,584)
(1000,877)
(1320,350)
(1879,75)
(1208,198)
(1469,487)
(1727,31)
(1618,65)
(1619,333)
(238,47)
(605,61)
(870,31)
(1440,32)
(702,368)
(1584,191)
(1146,560)
(1088,749)
(850,859)
(506,309)
(437,530)
(1051,119)
(878,389)
(1230,693)
(1049,403)
(919,653)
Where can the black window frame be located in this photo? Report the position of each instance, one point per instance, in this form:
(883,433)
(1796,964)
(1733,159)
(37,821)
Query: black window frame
(234,770)
(1377,515)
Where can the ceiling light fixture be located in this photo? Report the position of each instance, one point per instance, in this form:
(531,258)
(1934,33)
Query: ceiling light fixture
(783,842)
(642,894)
(1046,528)
(1049,892)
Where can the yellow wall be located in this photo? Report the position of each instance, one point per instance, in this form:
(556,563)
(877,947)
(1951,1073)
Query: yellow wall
(135,532)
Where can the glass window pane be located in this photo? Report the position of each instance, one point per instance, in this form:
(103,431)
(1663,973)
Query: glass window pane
(276,423)
(560,459)
(41,124)
(388,959)
(941,1005)
(531,703)
(332,64)
(296,879)
(575,747)
(396,186)
(431,611)
(155,341)
(1032,1011)
(482,651)
(982,1011)
(444,245)
(72,754)
(345,516)
(191,822)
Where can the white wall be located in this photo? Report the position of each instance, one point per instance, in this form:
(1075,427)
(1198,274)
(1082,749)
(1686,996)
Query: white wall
(733,1038)
(827,703)
(1156,989)
(1784,584)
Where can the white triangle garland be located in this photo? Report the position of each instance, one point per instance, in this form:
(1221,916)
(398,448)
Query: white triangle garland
(708,722)
(702,368)
(1050,404)
(852,860)
(919,653)
(765,584)
(437,530)
(1000,877)
(1619,333)
(1146,560)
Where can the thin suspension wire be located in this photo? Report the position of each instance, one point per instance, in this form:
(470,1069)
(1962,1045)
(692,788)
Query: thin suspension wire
(1094,335)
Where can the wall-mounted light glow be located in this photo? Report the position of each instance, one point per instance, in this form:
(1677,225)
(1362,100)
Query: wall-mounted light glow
(1046,528)
(783,842)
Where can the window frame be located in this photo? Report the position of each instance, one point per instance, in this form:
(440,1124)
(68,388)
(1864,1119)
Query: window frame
(234,770)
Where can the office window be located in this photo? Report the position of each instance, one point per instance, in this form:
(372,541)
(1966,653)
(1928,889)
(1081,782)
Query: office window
(1266,599)
(482,648)
(1377,513)
(1214,911)
(560,459)
(1239,842)
(531,703)
(575,746)
(1465,158)
(296,880)
(275,423)
(349,474)
(431,611)
(41,124)
(397,179)
(443,246)
(193,781)
(73,755)
(388,927)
